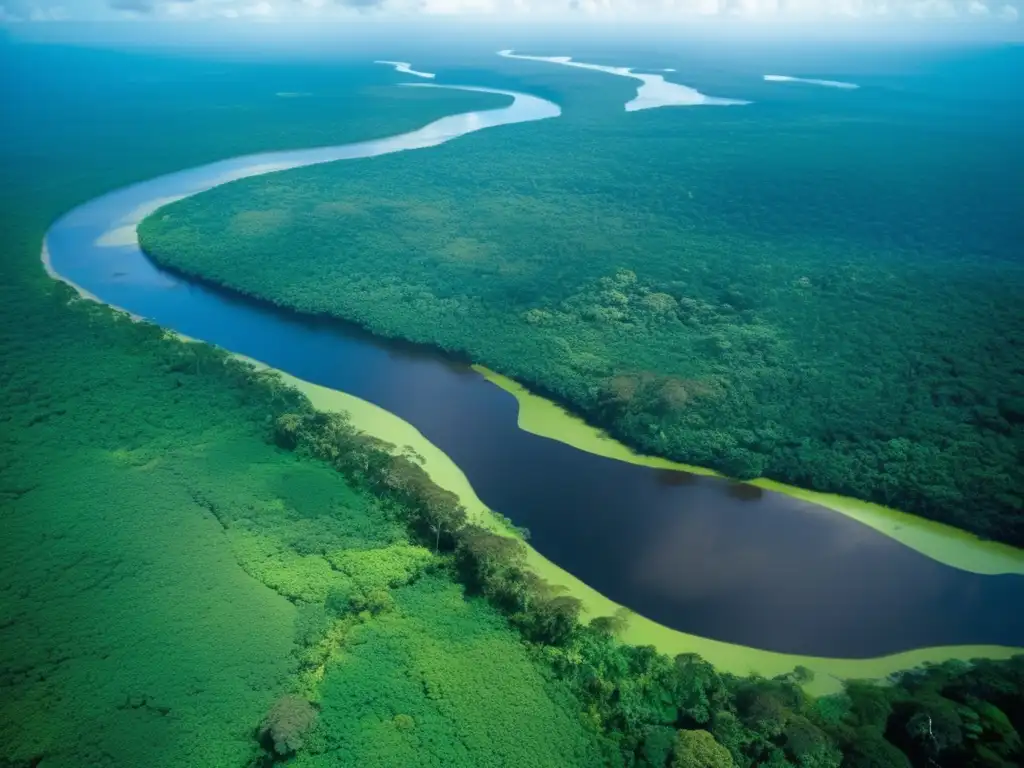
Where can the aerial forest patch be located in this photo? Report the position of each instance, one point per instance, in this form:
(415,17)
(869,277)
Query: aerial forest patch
(822,302)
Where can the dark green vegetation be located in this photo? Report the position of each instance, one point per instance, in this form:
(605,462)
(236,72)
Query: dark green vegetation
(821,288)
(681,713)
(161,564)
(642,708)
(176,589)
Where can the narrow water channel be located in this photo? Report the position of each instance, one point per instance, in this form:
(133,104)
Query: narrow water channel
(698,554)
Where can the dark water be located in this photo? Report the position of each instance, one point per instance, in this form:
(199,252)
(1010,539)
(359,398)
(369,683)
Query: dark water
(702,555)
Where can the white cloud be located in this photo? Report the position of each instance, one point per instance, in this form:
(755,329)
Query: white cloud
(933,9)
(13,11)
(752,10)
(452,7)
(49,13)
(258,9)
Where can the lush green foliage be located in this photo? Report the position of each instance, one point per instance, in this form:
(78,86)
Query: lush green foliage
(432,683)
(175,589)
(949,714)
(648,709)
(165,573)
(822,291)
(114,648)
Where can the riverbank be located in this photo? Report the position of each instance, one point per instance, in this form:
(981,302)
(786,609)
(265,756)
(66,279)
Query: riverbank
(740,660)
(452,477)
(770,602)
(689,305)
(942,543)
(136,630)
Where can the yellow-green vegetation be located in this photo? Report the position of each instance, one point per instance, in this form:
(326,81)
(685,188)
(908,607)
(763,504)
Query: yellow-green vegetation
(130,636)
(544,418)
(345,559)
(431,683)
(948,545)
(386,426)
(642,702)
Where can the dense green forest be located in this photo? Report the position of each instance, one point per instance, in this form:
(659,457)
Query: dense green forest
(159,571)
(643,708)
(197,569)
(821,289)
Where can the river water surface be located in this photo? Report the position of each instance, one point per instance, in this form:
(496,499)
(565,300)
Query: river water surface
(698,554)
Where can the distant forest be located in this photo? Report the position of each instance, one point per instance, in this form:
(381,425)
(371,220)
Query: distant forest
(824,291)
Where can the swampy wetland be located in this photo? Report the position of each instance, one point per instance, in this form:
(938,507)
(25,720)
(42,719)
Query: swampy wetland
(209,566)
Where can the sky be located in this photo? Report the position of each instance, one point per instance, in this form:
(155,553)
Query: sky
(905,12)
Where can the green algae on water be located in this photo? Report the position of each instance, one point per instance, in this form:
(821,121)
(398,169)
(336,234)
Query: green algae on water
(737,659)
(943,543)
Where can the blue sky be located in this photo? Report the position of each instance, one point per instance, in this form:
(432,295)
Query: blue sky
(754,11)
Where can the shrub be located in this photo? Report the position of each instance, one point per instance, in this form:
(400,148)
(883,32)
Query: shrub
(286,722)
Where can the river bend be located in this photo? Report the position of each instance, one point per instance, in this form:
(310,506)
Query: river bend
(698,554)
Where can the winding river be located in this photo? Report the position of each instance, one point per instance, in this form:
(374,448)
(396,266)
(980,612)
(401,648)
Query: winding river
(699,554)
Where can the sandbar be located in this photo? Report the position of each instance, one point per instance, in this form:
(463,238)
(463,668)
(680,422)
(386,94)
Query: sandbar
(654,91)
(406,68)
(810,81)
